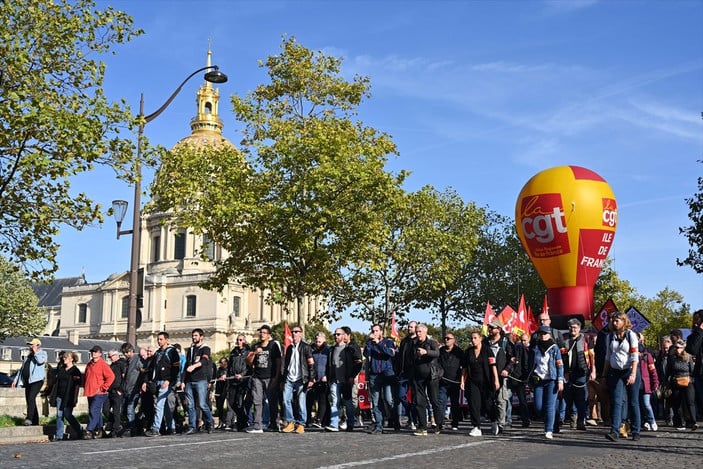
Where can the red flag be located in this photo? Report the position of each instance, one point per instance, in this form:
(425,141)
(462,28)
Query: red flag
(394,327)
(489,316)
(532,325)
(287,336)
(509,318)
(606,310)
(522,324)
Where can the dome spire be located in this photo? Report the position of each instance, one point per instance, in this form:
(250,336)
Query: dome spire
(208,97)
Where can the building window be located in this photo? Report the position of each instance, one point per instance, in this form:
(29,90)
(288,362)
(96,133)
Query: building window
(82,313)
(236,302)
(179,245)
(124,311)
(208,248)
(190,306)
(7,354)
(156,249)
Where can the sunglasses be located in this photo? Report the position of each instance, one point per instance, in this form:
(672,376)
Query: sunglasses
(296,332)
(338,333)
(449,338)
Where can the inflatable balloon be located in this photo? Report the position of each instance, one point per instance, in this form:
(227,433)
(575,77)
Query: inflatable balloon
(566,219)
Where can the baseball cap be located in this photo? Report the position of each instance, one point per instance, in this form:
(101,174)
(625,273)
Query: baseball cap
(97,348)
(34,341)
(545,329)
(265,327)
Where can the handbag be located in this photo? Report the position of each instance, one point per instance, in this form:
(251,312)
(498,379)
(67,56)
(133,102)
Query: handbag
(663,392)
(682,381)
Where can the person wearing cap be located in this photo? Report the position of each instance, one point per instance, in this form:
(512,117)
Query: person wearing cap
(577,368)
(503,352)
(679,374)
(31,377)
(98,379)
(548,377)
(265,361)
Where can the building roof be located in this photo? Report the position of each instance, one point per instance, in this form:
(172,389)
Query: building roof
(49,294)
(62,343)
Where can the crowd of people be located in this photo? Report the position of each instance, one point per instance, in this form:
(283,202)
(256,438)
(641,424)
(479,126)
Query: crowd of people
(573,378)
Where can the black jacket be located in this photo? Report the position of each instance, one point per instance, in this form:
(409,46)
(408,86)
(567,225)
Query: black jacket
(694,346)
(353,361)
(427,365)
(238,365)
(451,363)
(307,364)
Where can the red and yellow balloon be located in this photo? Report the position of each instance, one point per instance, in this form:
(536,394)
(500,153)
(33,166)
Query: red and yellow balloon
(566,219)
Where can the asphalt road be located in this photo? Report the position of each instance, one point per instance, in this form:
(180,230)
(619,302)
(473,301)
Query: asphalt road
(517,448)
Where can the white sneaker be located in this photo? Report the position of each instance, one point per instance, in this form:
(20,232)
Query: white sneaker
(343,426)
(476,431)
(655,427)
(494,428)
(647,426)
(412,426)
(549,436)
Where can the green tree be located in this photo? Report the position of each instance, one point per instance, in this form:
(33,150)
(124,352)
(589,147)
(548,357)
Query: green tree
(694,233)
(500,271)
(610,285)
(20,314)
(305,205)
(665,311)
(444,246)
(55,121)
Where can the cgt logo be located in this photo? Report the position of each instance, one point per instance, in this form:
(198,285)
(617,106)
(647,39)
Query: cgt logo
(542,218)
(610,213)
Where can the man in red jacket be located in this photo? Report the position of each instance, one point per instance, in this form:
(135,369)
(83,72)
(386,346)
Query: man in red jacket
(98,379)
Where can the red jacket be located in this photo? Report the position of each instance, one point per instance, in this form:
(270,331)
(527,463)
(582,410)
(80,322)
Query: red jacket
(98,378)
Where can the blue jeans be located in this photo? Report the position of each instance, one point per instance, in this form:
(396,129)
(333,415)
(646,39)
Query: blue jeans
(620,392)
(199,388)
(95,412)
(66,413)
(299,388)
(337,398)
(130,404)
(648,410)
(162,409)
(410,410)
(546,401)
(449,393)
(378,384)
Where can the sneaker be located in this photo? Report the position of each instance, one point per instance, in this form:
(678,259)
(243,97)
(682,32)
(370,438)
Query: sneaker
(654,427)
(316,425)
(476,431)
(190,431)
(437,430)
(375,431)
(343,426)
(494,428)
(647,426)
(549,435)
(254,430)
(635,437)
(455,429)
(330,428)
(624,428)
(420,432)
(612,436)
(411,426)
(27,423)
(290,427)
(680,429)
(592,422)
(694,427)
(152,432)
(300,428)
(581,426)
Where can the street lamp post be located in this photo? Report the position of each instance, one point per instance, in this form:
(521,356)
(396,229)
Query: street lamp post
(119,207)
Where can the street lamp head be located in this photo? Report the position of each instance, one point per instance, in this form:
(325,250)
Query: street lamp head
(119,209)
(215,76)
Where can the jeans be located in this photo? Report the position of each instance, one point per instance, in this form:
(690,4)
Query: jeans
(340,395)
(131,400)
(162,409)
(404,384)
(95,412)
(381,384)
(575,394)
(299,388)
(519,390)
(545,392)
(648,410)
(199,388)
(619,393)
(65,413)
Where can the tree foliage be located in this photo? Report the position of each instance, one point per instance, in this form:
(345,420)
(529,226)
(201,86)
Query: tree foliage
(55,121)
(500,271)
(694,233)
(20,314)
(305,204)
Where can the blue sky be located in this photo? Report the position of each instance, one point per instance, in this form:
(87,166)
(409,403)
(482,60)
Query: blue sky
(477,95)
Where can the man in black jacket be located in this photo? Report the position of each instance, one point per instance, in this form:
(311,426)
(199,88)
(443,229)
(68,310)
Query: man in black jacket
(195,381)
(503,353)
(238,375)
(113,406)
(426,374)
(343,365)
(694,346)
(403,366)
(298,376)
(132,386)
(451,357)
(163,373)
